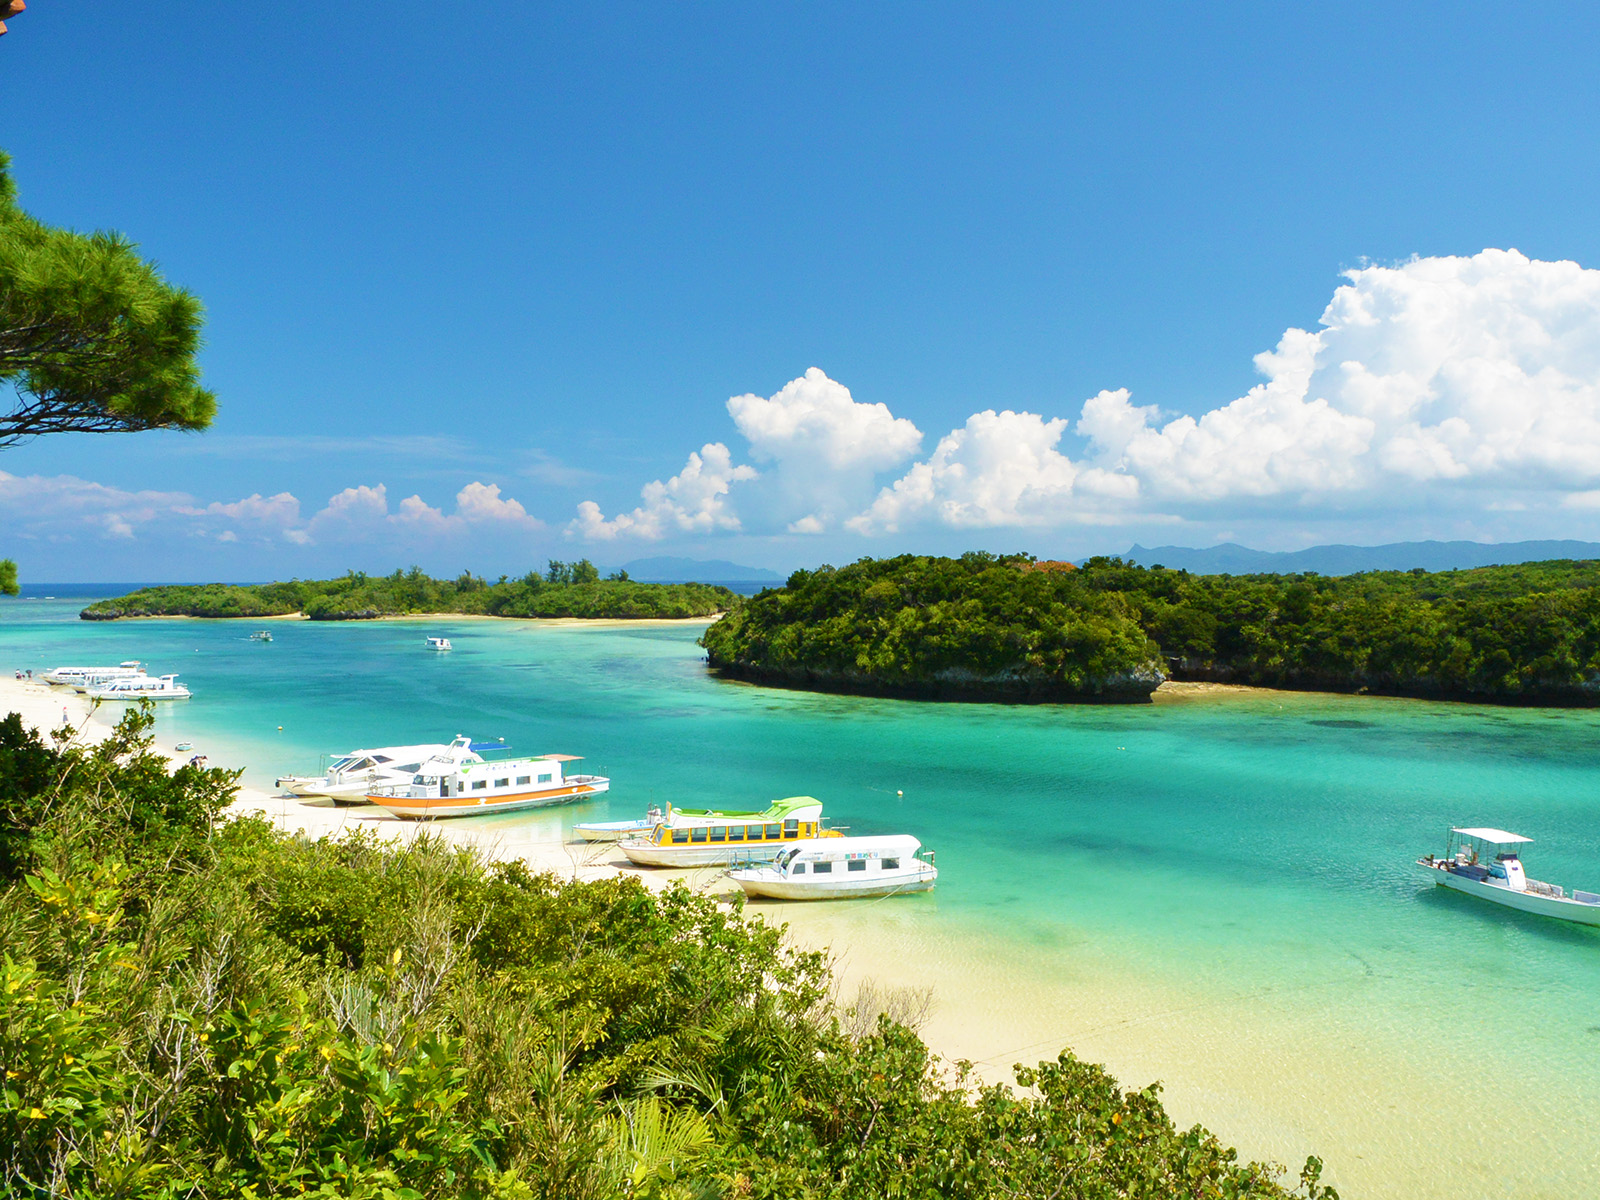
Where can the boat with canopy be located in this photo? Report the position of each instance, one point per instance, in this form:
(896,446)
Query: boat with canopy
(1487,863)
(705,837)
(846,868)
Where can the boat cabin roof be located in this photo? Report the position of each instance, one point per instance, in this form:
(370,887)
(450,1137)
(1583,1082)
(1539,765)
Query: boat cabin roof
(776,811)
(844,847)
(1498,836)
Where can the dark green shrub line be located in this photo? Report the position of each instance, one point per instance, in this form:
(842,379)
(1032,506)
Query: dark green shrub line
(197,1009)
(564,590)
(1007,628)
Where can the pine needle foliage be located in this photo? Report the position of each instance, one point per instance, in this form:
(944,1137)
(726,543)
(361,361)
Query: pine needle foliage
(92,338)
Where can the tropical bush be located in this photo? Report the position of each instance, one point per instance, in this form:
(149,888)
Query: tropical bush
(192,1007)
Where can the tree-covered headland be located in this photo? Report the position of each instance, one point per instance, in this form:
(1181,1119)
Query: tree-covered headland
(562,590)
(199,1008)
(1011,628)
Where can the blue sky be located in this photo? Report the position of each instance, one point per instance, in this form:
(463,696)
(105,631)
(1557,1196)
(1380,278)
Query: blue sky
(513,259)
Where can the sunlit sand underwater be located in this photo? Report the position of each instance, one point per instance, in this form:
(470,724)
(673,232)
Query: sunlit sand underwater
(1214,891)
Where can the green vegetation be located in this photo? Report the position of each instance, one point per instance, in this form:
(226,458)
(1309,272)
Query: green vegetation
(8,578)
(1010,628)
(91,336)
(199,1009)
(564,590)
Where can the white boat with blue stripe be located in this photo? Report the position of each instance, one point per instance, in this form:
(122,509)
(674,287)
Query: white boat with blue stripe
(1487,863)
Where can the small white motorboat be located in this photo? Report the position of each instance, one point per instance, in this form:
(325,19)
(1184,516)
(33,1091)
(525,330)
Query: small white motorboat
(1487,863)
(141,687)
(615,831)
(261,635)
(846,868)
(439,643)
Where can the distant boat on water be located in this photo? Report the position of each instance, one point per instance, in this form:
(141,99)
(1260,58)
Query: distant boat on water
(439,643)
(1487,863)
(261,635)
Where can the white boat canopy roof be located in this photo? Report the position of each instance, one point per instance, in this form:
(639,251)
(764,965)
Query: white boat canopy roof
(1499,836)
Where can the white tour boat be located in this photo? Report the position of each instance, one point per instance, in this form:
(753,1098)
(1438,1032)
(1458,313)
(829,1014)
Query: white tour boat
(705,837)
(439,643)
(1487,863)
(261,635)
(843,868)
(141,687)
(615,831)
(351,776)
(74,676)
(443,787)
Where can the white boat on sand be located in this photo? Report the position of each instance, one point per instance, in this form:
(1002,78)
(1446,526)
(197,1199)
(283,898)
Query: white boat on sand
(141,687)
(79,677)
(351,776)
(445,787)
(846,868)
(615,831)
(1487,863)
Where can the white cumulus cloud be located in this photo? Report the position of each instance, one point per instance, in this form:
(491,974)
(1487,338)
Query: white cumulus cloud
(1457,381)
(695,500)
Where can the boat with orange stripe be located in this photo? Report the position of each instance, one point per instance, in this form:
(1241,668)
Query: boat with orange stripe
(444,787)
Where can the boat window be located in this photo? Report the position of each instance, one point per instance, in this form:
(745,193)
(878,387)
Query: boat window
(822,868)
(522,779)
(799,869)
(408,767)
(679,836)
(502,782)
(736,833)
(857,864)
(791,829)
(719,833)
(381,758)
(891,864)
(770,833)
(544,779)
(479,784)
(364,763)
(697,834)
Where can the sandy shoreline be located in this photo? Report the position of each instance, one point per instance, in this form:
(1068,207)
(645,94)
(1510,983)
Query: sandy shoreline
(435,618)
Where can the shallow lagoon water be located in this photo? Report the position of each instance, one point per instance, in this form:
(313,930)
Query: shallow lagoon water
(1215,891)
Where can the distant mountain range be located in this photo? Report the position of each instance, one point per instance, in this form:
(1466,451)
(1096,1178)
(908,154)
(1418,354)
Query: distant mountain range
(1229,559)
(666,569)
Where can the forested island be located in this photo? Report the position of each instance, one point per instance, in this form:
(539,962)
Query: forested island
(208,1008)
(1010,628)
(562,590)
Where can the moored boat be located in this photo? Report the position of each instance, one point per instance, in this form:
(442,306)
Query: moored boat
(75,676)
(1487,863)
(446,788)
(615,831)
(843,868)
(704,837)
(261,635)
(141,687)
(351,776)
(439,643)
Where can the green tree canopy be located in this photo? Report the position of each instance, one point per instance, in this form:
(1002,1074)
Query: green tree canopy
(92,338)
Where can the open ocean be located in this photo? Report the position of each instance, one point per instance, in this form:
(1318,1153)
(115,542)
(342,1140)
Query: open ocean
(1216,891)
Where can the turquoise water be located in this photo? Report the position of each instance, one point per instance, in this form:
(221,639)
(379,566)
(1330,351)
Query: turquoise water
(1234,872)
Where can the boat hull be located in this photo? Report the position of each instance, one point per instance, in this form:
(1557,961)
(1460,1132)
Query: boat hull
(770,884)
(647,855)
(611,831)
(1559,908)
(430,808)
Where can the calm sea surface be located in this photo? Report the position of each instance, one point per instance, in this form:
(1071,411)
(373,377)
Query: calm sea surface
(1216,892)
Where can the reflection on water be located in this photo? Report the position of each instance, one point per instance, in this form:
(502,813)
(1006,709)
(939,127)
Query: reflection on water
(1217,894)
